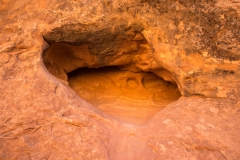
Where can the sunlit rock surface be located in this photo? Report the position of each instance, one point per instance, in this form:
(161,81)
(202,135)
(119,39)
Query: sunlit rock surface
(193,45)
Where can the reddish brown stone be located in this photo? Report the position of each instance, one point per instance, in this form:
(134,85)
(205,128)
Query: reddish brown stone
(194,44)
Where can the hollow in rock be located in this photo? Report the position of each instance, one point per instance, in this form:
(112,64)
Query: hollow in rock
(132,97)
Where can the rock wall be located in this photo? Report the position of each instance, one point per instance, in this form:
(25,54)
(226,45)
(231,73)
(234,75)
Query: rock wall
(195,42)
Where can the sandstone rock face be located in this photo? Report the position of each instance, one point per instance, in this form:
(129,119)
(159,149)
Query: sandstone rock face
(190,45)
(132,97)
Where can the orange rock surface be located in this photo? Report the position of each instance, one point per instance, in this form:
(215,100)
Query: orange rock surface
(82,79)
(132,97)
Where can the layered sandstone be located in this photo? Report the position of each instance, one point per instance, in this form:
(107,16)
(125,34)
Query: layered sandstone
(192,46)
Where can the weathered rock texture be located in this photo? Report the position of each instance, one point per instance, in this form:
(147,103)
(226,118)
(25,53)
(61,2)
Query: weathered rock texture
(131,96)
(194,44)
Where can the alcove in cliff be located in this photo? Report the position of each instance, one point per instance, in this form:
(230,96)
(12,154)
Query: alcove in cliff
(114,73)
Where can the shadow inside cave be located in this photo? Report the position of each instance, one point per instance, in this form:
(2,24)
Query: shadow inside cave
(131,96)
(116,77)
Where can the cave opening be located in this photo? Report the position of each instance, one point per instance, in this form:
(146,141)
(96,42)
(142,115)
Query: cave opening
(131,96)
(115,74)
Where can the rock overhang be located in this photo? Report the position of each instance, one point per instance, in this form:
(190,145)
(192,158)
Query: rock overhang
(125,48)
